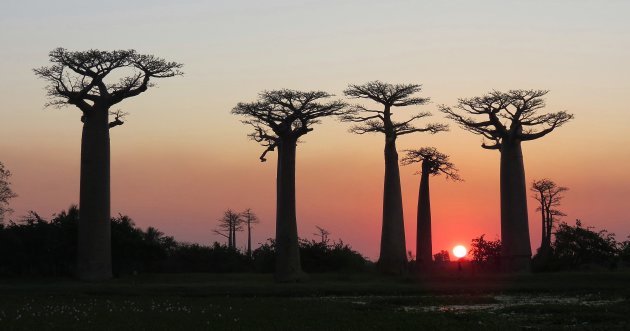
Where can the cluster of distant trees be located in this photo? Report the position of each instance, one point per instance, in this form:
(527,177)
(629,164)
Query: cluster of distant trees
(574,248)
(37,246)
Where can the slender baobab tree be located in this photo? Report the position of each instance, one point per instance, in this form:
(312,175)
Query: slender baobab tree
(549,195)
(507,119)
(249,219)
(6,193)
(279,118)
(229,224)
(433,163)
(322,234)
(393,255)
(85,80)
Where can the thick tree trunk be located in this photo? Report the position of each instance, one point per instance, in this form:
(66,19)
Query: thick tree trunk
(424,256)
(393,256)
(94,243)
(288,268)
(516,249)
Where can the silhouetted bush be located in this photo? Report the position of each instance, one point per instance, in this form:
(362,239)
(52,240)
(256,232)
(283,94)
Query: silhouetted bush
(198,258)
(441,257)
(577,247)
(486,254)
(35,246)
(315,257)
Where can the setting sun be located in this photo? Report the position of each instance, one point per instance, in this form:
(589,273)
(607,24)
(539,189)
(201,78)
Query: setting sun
(459,251)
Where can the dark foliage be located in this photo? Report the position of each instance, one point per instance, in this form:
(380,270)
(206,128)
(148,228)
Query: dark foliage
(316,256)
(38,247)
(578,247)
(486,253)
(441,257)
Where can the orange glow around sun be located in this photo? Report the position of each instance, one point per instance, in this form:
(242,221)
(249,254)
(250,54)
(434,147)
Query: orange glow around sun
(459,251)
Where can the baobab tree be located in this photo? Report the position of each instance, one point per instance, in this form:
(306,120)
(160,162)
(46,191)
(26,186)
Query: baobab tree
(6,193)
(279,118)
(392,257)
(93,81)
(506,120)
(249,219)
(433,163)
(549,195)
(229,224)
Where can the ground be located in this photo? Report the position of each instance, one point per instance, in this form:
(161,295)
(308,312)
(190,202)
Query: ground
(556,301)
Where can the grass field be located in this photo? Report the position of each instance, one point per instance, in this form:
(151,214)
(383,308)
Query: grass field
(558,301)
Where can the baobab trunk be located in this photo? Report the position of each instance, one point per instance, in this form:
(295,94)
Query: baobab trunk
(288,266)
(94,260)
(424,255)
(393,258)
(516,250)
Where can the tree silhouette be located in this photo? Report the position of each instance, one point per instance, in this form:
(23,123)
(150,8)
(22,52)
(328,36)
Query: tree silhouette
(279,118)
(392,257)
(442,257)
(510,118)
(249,218)
(229,224)
(486,253)
(322,234)
(6,193)
(549,195)
(433,163)
(79,79)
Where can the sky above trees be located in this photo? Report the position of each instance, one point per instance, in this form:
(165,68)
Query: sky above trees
(181,158)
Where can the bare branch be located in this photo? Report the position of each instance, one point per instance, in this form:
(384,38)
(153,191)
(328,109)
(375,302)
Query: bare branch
(118,115)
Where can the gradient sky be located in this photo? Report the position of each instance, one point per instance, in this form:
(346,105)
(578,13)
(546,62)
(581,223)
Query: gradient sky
(182,158)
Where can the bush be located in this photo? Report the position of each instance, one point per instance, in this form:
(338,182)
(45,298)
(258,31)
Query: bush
(577,246)
(315,257)
(486,253)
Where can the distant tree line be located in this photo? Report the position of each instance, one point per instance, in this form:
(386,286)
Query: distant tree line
(574,248)
(39,247)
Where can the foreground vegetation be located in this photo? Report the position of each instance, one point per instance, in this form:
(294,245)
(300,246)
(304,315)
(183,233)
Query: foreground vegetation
(455,301)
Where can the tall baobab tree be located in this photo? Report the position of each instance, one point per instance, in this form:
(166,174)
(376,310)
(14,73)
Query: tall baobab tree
(279,118)
(393,258)
(6,193)
(249,219)
(549,195)
(433,163)
(94,81)
(229,224)
(507,119)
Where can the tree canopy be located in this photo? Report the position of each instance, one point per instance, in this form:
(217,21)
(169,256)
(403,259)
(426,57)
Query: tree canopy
(286,114)
(79,77)
(389,95)
(435,162)
(509,116)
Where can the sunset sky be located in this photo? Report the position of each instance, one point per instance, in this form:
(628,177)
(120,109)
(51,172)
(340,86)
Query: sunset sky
(181,158)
